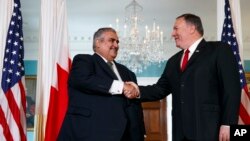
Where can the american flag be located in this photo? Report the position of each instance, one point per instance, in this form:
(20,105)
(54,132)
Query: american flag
(12,93)
(228,36)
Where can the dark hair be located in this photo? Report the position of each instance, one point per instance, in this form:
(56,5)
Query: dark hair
(98,34)
(194,20)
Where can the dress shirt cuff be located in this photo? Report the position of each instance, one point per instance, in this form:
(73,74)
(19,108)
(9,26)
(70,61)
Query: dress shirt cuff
(116,87)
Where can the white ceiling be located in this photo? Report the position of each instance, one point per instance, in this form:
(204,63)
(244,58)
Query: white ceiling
(85,17)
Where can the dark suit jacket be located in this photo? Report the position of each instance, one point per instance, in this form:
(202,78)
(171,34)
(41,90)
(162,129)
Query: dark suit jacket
(94,114)
(204,96)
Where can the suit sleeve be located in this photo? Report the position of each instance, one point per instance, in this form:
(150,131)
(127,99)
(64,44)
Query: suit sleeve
(156,91)
(229,80)
(84,78)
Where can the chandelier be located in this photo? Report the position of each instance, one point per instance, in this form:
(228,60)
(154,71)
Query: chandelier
(139,46)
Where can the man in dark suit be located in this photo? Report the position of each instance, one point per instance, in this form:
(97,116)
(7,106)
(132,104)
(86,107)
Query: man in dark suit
(98,109)
(205,92)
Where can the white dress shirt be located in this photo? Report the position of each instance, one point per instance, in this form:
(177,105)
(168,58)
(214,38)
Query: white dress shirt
(117,85)
(191,49)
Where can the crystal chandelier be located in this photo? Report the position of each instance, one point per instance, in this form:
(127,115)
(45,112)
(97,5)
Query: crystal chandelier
(139,47)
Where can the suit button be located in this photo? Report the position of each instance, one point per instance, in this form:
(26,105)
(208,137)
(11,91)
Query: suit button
(182,100)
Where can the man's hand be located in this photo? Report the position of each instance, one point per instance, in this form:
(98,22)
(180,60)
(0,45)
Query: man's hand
(224,134)
(131,90)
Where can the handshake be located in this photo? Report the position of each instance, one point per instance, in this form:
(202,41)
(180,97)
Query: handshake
(131,90)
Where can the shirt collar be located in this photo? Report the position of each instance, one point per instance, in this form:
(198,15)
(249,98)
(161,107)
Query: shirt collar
(104,58)
(193,47)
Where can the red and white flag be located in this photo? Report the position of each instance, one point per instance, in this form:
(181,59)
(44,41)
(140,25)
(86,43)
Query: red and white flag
(53,69)
(12,92)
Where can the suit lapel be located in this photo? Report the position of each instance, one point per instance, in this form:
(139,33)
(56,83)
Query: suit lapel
(122,72)
(104,66)
(198,51)
(178,64)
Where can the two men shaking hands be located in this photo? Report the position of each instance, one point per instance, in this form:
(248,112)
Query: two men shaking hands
(131,90)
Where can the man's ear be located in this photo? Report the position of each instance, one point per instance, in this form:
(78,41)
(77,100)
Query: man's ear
(98,43)
(192,29)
